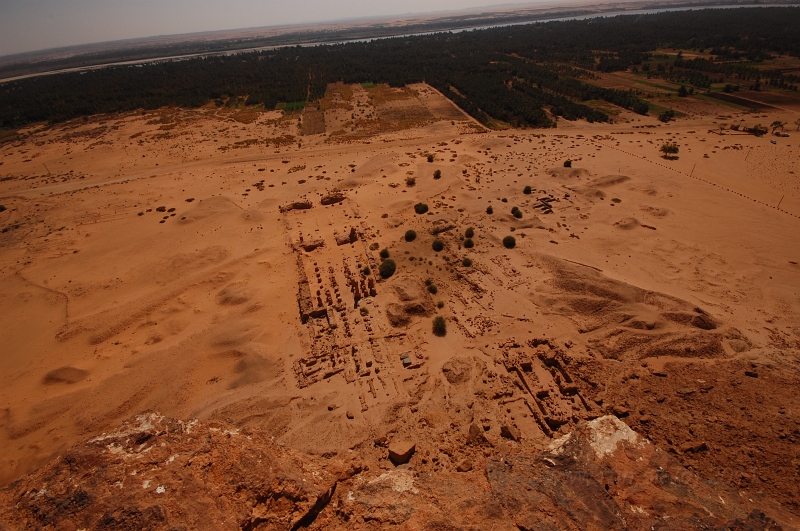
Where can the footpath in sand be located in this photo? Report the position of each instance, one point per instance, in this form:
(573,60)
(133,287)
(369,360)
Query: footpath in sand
(223,264)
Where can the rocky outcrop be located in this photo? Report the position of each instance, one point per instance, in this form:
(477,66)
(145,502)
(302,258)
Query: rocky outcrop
(303,204)
(158,473)
(332,198)
(412,300)
(606,476)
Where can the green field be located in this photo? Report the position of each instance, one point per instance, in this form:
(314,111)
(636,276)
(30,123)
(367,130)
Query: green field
(291,106)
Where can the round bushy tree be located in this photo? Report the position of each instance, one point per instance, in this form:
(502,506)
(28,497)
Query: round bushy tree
(527,190)
(384,253)
(420,208)
(567,163)
(387,268)
(489,210)
(437,174)
(469,233)
(438,245)
(411,235)
(433,289)
(466,262)
(509,242)
(468,243)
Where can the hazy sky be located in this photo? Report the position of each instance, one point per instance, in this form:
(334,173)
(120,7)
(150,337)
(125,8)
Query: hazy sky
(27,25)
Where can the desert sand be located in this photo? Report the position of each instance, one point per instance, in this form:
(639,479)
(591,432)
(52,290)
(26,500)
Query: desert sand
(210,264)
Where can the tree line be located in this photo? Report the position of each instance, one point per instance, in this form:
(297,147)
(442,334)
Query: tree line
(510,73)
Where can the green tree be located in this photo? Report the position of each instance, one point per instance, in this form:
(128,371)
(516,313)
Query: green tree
(387,268)
(670,149)
(439,326)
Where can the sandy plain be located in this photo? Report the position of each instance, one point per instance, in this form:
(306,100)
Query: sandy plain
(147,264)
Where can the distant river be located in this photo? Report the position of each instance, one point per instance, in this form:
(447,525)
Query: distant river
(370,39)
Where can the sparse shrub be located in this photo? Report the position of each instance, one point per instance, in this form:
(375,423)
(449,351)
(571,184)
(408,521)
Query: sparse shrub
(161,209)
(387,268)
(428,282)
(439,326)
(469,233)
(430,158)
(567,163)
(440,304)
(411,181)
(410,236)
(516,213)
(420,208)
(466,262)
(437,174)
(433,289)
(527,190)
(504,200)
(489,210)
(509,242)
(363,311)
(468,243)
(366,271)
(384,253)
(438,245)
(666,116)
(670,149)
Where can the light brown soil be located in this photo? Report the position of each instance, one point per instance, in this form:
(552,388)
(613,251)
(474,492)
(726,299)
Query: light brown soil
(665,292)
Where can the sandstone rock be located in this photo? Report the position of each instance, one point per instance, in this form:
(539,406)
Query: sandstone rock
(510,432)
(332,198)
(475,436)
(401,451)
(310,245)
(296,205)
(457,370)
(621,412)
(464,466)
(693,447)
